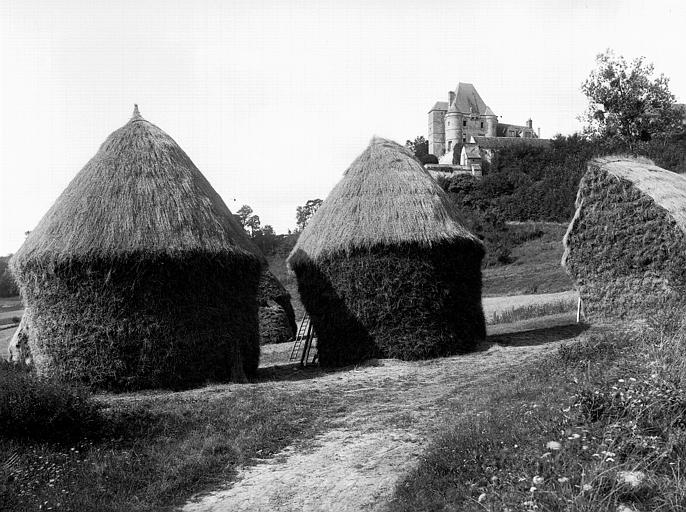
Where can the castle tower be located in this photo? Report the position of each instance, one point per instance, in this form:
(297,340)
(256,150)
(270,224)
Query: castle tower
(436,136)
(453,124)
(491,123)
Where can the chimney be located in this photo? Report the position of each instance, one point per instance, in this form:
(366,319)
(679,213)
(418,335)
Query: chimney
(451,98)
(539,132)
(530,124)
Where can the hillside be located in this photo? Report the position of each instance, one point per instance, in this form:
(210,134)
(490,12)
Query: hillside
(537,263)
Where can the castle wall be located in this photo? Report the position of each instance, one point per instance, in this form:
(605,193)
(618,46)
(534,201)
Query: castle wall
(453,130)
(437,132)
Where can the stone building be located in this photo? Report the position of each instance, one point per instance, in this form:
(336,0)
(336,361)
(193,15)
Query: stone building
(465,115)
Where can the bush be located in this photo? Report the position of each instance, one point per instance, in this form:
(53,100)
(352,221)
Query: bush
(540,184)
(42,409)
(428,159)
(8,287)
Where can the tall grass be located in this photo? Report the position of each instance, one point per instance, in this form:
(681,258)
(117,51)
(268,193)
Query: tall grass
(601,424)
(532,311)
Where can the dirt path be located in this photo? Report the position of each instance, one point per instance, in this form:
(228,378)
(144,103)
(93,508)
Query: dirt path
(393,409)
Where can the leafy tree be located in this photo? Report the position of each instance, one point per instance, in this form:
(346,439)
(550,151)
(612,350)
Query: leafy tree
(253,222)
(8,287)
(242,215)
(626,101)
(419,146)
(304,213)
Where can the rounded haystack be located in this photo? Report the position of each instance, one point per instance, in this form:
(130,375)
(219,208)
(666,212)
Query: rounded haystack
(385,267)
(139,275)
(626,245)
(277,318)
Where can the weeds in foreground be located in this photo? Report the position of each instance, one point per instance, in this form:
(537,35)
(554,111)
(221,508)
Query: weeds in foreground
(33,408)
(155,452)
(600,426)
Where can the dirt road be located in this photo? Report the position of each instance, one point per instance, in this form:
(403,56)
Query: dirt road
(395,408)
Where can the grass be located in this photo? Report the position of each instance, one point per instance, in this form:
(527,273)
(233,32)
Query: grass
(516,314)
(159,450)
(559,436)
(536,268)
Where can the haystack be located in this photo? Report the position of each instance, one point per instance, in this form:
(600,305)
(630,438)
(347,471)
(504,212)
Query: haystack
(626,245)
(276,315)
(139,275)
(385,268)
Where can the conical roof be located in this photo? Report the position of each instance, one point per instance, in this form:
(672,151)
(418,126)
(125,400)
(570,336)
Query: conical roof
(385,197)
(140,193)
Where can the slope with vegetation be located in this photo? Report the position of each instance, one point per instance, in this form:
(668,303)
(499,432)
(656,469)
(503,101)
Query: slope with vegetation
(598,424)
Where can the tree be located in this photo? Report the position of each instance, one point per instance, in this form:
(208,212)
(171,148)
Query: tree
(304,213)
(419,146)
(242,215)
(253,222)
(627,102)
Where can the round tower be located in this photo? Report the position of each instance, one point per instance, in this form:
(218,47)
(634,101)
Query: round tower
(491,126)
(453,129)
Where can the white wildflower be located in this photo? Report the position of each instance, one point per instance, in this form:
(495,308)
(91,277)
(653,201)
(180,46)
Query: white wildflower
(553,445)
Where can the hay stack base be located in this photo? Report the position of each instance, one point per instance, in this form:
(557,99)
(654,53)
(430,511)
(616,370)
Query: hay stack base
(386,268)
(402,302)
(131,324)
(626,248)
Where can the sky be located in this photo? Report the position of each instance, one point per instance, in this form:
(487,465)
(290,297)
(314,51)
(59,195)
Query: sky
(272,100)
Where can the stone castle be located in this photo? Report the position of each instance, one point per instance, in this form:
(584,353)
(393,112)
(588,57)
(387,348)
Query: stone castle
(454,123)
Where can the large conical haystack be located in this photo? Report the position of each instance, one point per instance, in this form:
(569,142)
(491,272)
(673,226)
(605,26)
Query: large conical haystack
(385,268)
(626,245)
(139,275)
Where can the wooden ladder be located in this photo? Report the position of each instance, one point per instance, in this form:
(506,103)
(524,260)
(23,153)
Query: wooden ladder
(305,344)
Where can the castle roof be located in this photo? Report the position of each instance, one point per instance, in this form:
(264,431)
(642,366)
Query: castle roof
(468,101)
(440,105)
(506,142)
(471,150)
(502,129)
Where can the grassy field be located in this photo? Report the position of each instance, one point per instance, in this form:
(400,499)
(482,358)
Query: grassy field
(598,425)
(536,267)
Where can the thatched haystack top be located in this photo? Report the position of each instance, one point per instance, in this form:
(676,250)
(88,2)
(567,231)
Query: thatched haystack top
(666,188)
(385,197)
(140,193)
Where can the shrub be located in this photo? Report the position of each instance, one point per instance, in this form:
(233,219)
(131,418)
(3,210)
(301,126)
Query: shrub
(428,159)
(8,287)
(42,409)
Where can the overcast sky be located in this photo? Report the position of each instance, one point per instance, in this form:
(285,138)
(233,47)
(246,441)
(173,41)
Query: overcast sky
(272,100)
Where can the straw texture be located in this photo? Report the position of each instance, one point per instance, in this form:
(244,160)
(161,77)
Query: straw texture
(140,193)
(385,197)
(139,276)
(626,245)
(385,267)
